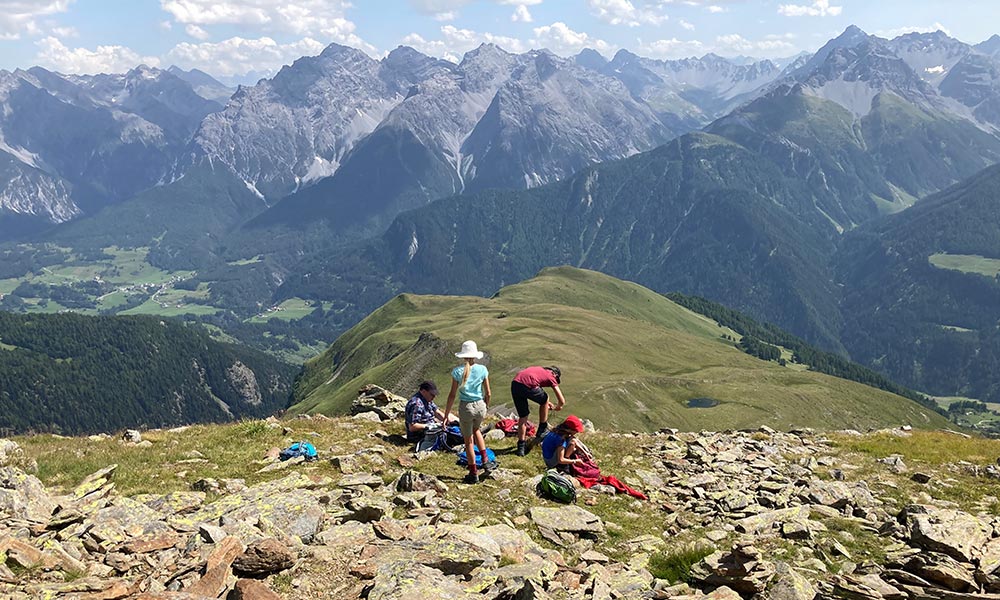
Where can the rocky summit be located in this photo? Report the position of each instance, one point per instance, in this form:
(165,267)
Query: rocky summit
(752,514)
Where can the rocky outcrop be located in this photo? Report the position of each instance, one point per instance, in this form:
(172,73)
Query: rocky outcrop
(775,516)
(380,401)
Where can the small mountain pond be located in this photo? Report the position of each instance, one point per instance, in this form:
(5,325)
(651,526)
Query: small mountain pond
(702,403)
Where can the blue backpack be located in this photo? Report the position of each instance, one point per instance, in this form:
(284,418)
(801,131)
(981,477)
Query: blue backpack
(464,460)
(299,449)
(454,435)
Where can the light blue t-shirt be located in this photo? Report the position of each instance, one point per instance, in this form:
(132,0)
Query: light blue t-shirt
(473,389)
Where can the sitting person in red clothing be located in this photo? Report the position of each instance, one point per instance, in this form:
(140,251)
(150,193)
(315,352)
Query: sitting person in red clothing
(559,446)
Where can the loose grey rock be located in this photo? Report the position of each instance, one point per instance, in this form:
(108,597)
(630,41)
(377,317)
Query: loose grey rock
(263,558)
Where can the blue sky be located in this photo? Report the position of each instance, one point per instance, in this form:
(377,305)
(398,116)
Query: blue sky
(240,40)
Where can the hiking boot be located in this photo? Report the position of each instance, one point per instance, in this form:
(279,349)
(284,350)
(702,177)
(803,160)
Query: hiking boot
(471,478)
(489,467)
(522,448)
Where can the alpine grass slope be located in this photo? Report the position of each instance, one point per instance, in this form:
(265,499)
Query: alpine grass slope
(630,358)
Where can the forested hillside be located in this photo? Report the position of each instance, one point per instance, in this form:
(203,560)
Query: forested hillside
(922,292)
(74,374)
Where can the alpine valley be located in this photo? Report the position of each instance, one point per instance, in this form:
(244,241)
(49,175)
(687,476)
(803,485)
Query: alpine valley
(848,197)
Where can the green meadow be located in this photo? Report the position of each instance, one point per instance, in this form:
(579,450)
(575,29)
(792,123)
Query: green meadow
(631,359)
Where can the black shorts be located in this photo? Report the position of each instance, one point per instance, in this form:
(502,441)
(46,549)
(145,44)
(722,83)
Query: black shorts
(522,393)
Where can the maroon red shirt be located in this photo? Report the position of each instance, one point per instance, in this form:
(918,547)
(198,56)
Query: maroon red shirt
(536,377)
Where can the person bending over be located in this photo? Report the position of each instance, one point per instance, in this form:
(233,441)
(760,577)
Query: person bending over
(527,385)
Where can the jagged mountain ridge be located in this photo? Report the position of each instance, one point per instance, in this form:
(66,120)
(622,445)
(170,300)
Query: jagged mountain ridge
(488,118)
(204,84)
(707,225)
(304,124)
(76,143)
(695,90)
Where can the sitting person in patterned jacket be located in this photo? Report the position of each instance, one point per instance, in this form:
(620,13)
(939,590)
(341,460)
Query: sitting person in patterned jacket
(424,420)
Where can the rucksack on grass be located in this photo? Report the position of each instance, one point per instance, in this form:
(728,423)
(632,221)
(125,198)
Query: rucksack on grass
(299,449)
(463,460)
(556,486)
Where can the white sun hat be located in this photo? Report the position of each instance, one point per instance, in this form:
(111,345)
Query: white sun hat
(469,350)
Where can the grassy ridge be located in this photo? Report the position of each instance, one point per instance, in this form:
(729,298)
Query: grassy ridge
(631,359)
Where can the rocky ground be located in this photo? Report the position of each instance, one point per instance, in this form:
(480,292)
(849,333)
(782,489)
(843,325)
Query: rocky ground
(772,515)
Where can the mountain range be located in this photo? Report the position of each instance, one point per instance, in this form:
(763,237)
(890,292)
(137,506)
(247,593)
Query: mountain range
(444,127)
(770,188)
(760,213)
(73,144)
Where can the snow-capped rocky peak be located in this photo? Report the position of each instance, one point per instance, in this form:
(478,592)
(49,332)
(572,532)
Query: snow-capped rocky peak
(930,55)
(851,37)
(854,72)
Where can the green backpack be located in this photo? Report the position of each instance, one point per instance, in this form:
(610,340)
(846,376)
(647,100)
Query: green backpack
(557,486)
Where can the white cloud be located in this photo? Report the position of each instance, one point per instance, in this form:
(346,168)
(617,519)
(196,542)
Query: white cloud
(624,12)
(557,37)
(300,17)
(53,54)
(819,8)
(715,9)
(450,15)
(672,48)
(521,14)
(64,32)
(455,42)
(436,7)
(18,16)
(562,40)
(686,25)
(196,32)
(895,33)
(238,56)
(166,25)
(771,45)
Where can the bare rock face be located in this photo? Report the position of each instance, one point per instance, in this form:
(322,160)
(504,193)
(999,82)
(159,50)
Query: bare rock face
(411,481)
(790,535)
(23,496)
(951,532)
(789,584)
(403,579)
(243,380)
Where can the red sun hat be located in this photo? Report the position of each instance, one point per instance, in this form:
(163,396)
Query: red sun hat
(574,424)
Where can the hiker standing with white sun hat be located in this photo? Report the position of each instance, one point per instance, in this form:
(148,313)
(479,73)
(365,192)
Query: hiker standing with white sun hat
(471,382)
